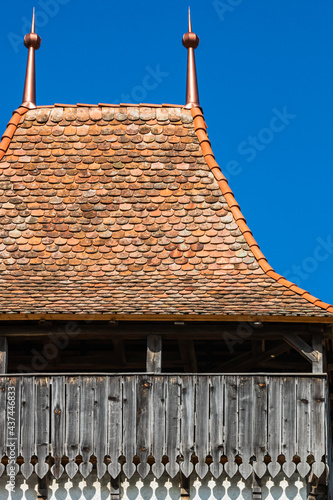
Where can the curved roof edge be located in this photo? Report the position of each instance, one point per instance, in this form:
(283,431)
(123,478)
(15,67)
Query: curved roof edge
(201,132)
(11,129)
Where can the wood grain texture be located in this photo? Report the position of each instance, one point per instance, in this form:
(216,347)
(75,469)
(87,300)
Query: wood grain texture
(115,424)
(188,412)
(42,425)
(27,424)
(73,403)
(58,424)
(217,414)
(3,355)
(126,419)
(154,353)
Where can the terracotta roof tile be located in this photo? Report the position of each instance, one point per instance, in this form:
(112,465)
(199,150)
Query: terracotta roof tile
(124,210)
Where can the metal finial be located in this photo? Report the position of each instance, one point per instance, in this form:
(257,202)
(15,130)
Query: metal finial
(32,41)
(33,21)
(189,20)
(191,42)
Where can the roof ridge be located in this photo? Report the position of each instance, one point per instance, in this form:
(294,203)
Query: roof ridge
(108,105)
(11,129)
(201,132)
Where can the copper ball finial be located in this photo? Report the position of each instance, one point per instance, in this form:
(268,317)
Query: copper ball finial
(191,40)
(32,40)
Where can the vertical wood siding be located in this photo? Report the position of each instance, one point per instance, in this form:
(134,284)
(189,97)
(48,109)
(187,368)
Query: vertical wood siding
(124,418)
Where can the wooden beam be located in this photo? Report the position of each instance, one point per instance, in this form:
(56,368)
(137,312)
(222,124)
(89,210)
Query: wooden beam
(165,317)
(140,330)
(188,355)
(154,353)
(3,355)
(308,352)
(263,357)
(246,360)
(317,346)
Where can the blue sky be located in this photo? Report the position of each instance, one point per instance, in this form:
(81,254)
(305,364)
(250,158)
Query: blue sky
(265,77)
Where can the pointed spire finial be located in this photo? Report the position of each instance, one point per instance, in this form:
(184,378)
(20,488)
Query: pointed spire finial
(191,42)
(32,41)
(33,21)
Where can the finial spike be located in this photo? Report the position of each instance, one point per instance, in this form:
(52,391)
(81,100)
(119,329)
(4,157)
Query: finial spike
(32,41)
(191,42)
(189,20)
(33,21)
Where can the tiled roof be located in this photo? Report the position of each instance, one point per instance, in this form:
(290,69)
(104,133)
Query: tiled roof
(124,210)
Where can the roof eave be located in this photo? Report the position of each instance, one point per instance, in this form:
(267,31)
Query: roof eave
(217,318)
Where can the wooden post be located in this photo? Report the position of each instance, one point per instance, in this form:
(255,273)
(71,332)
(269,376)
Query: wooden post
(317,345)
(154,353)
(43,486)
(3,355)
(115,489)
(184,487)
(256,488)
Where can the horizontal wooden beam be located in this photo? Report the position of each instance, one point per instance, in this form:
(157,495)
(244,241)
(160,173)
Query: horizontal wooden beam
(230,332)
(166,317)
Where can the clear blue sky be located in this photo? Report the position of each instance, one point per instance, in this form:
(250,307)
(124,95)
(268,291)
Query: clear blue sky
(256,61)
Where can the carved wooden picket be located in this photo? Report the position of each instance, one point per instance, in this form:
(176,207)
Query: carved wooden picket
(133,422)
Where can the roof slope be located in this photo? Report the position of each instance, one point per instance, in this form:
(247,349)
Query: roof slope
(124,210)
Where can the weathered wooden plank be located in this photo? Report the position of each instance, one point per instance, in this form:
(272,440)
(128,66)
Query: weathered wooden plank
(245,417)
(231,423)
(154,353)
(88,388)
(318,425)
(12,416)
(304,388)
(3,355)
(144,422)
(172,425)
(158,445)
(3,418)
(58,424)
(101,424)
(72,435)
(202,424)
(274,423)
(27,424)
(129,423)
(289,419)
(260,426)
(42,424)
(115,420)
(216,411)
(187,436)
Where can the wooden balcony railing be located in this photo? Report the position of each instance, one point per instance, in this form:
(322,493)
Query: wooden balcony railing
(133,422)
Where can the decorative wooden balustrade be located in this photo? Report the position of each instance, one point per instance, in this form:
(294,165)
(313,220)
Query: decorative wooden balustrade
(207,422)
